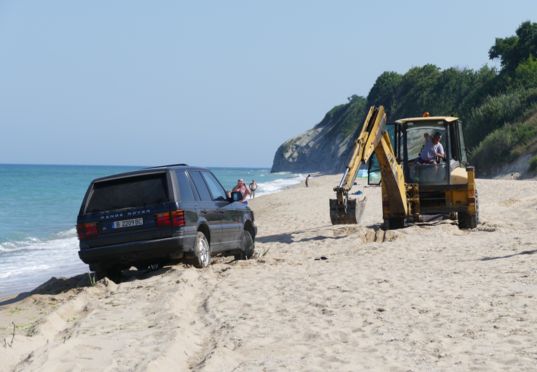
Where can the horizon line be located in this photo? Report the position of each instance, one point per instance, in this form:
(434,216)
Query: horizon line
(131,165)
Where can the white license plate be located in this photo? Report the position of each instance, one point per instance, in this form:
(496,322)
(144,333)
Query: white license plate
(128,223)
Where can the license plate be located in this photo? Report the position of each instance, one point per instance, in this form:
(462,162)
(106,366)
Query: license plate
(127,223)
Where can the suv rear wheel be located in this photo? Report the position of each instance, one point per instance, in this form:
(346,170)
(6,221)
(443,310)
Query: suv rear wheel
(202,251)
(111,272)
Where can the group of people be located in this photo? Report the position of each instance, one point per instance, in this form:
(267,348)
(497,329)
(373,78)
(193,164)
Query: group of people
(245,190)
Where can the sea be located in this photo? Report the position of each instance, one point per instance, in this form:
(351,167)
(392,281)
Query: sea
(38,210)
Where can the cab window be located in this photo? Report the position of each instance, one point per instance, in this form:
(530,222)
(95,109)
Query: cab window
(417,138)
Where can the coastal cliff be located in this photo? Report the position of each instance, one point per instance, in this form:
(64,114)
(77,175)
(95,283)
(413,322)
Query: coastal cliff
(326,147)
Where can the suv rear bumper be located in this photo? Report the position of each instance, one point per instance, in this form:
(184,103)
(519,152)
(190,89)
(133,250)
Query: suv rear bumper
(134,252)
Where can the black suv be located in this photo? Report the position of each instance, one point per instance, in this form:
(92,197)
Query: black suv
(159,215)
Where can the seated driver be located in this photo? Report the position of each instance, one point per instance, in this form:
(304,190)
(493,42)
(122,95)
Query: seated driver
(432,151)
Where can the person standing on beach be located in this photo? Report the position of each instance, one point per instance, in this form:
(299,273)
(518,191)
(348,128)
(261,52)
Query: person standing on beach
(307,180)
(253,187)
(242,188)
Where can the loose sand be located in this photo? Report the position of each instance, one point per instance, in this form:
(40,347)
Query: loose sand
(316,297)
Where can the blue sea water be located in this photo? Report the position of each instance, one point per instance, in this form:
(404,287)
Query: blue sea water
(38,209)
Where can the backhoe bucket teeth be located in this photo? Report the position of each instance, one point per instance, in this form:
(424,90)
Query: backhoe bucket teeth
(352,214)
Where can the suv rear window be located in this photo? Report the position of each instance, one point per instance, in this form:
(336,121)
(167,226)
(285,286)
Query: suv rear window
(131,192)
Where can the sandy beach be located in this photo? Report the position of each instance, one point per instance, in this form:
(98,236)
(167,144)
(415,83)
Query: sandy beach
(316,297)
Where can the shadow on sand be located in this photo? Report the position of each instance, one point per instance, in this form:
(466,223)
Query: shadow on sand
(55,286)
(287,238)
(509,255)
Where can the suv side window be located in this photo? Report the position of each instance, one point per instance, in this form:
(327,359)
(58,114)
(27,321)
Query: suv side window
(203,191)
(185,186)
(217,191)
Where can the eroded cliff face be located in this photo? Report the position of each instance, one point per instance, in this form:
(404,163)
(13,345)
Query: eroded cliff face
(316,150)
(324,148)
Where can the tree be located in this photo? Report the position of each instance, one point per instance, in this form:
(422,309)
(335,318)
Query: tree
(514,50)
(384,91)
(415,91)
(525,74)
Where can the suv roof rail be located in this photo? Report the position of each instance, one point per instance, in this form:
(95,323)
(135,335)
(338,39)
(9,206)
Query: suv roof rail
(169,165)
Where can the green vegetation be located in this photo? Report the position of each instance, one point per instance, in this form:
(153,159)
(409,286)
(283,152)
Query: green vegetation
(514,50)
(533,164)
(346,117)
(505,145)
(350,118)
(427,88)
(496,111)
(498,108)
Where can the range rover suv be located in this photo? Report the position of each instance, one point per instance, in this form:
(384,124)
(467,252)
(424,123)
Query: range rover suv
(159,215)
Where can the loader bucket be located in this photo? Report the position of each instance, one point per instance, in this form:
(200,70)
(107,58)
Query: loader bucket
(351,214)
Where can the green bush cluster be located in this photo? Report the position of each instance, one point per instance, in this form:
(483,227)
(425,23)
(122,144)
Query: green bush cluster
(504,145)
(497,111)
(510,139)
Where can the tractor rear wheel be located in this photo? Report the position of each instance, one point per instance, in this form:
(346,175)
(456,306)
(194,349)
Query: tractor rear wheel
(393,223)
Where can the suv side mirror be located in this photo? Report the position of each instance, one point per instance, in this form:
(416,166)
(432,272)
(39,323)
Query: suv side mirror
(235,196)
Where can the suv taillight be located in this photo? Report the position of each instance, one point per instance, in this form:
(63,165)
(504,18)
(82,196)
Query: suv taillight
(173,218)
(86,230)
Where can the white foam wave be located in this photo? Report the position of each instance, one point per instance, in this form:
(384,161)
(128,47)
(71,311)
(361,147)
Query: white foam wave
(17,257)
(282,173)
(25,264)
(67,233)
(265,188)
(22,270)
(32,243)
(12,246)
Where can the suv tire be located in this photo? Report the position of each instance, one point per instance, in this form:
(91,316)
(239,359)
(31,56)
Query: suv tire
(111,272)
(247,247)
(202,251)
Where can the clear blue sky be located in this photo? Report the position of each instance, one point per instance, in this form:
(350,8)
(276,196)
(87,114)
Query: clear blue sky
(213,83)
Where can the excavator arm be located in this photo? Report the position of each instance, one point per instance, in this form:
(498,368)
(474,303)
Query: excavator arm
(372,139)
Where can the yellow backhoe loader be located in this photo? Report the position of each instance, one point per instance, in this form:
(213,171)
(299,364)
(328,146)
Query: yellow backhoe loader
(411,186)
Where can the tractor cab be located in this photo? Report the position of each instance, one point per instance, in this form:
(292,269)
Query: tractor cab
(414,140)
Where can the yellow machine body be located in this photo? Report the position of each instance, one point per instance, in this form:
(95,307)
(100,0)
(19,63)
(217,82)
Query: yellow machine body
(409,189)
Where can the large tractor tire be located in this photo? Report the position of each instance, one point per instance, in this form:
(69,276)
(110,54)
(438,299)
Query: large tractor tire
(468,221)
(394,223)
